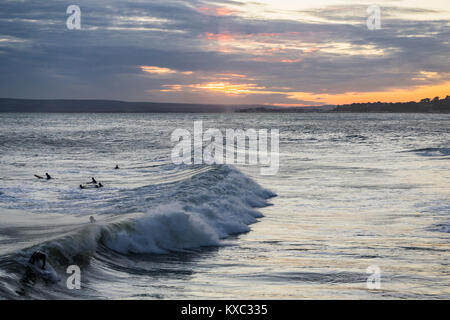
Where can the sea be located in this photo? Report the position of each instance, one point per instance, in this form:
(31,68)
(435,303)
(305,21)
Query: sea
(358,209)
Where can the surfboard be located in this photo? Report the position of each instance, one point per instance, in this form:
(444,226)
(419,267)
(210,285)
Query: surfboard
(92,186)
(39,177)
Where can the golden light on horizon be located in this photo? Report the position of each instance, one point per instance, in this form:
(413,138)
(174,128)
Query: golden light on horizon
(217,11)
(162,71)
(395,95)
(235,89)
(221,87)
(229,88)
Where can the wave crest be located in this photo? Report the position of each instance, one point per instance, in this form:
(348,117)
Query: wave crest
(224,204)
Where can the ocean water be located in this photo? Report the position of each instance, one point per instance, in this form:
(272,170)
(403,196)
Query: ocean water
(353,191)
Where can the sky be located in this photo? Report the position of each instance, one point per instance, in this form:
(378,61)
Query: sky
(274,52)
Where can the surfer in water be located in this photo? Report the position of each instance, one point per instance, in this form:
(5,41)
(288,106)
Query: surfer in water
(92,219)
(47,176)
(38,256)
(117,167)
(99,185)
(93,181)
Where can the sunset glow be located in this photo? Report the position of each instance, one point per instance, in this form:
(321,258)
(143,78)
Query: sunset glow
(286,53)
(162,71)
(221,87)
(236,157)
(216,11)
(395,95)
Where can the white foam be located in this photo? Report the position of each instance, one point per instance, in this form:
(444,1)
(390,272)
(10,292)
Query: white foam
(212,214)
(202,218)
(177,227)
(170,228)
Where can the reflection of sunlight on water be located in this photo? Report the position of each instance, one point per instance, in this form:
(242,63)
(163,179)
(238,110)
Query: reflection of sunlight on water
(348,198)
(350,208)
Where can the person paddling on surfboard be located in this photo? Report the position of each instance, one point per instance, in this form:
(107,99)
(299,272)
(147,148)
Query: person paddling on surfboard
(99,185)
(47,176)
(38,256)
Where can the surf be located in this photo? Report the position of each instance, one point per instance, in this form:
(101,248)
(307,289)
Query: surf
(225,202)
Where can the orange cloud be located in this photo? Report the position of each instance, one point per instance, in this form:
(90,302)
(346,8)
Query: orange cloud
(291,60)
(156,70)
(276,60)
(232,36)
(216,11)
(231,84)
(280,47)
(221,87)
(310,50)
(220,36)
(229,88)
(224,12)
(162,71)
(395,95)
(172,88)
(230,75)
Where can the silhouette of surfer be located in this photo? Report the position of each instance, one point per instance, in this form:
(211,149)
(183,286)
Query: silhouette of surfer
(38,256)
(96,185)
(47,176)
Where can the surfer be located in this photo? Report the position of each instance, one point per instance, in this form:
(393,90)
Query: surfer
(48,177)
(93,181)
(117,167)
(99,185)
(92,219)
(38,256)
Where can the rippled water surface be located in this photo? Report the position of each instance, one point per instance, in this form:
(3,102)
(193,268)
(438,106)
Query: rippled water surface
(352,191)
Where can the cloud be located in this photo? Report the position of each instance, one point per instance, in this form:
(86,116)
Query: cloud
(204,51)
(216,11)
(162,71)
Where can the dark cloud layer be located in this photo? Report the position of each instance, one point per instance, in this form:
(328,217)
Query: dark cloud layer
(41,58)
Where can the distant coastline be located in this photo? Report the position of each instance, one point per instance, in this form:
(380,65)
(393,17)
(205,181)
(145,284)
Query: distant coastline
(427,105)
(108,106)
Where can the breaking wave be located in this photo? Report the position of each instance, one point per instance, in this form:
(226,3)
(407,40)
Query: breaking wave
(196,212)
